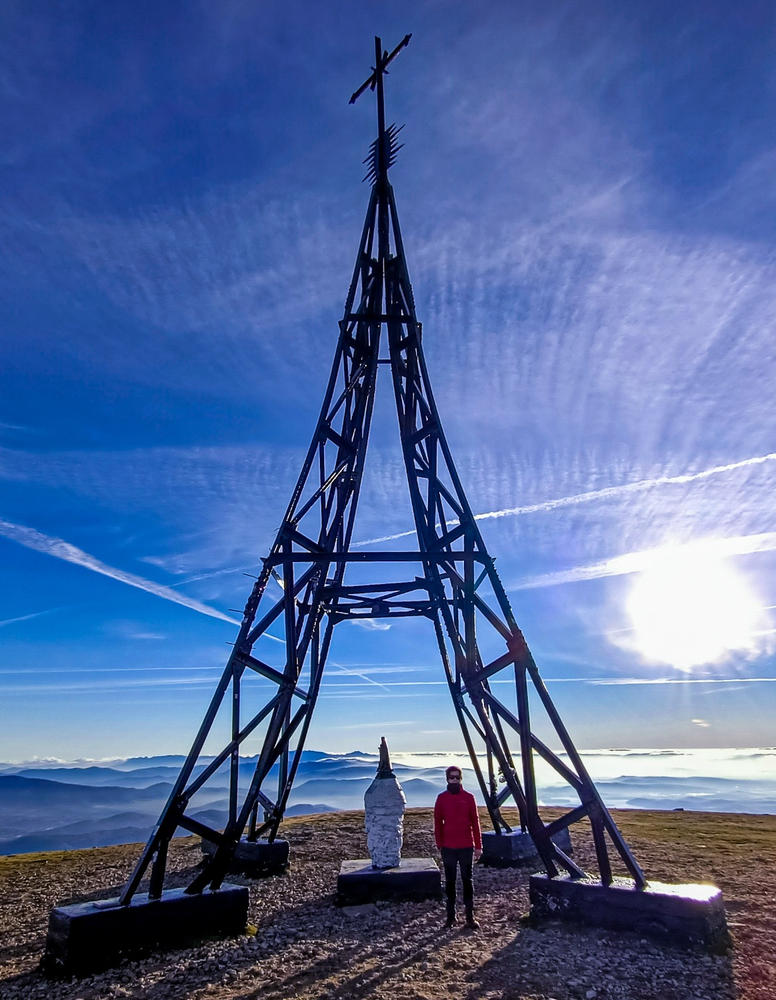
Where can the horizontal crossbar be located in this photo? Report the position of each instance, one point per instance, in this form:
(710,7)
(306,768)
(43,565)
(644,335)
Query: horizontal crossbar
(377,318)
(386,589)
(364,557)
(387,611)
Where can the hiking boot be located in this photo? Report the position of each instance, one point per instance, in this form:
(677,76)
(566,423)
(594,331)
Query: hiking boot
(451,921)
(472,922)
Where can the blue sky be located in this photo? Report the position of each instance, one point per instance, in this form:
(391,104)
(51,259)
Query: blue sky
(587,202)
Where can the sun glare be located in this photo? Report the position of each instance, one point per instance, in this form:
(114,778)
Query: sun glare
(690,607)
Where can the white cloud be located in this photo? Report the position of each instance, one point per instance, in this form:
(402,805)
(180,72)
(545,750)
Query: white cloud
(607,493)
(90,685)
(241,259)
(617,492)
(638,681)
(636,562)
(370,624)
(91,670)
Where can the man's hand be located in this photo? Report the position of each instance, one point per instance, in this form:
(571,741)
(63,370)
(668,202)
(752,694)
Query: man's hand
(477,853)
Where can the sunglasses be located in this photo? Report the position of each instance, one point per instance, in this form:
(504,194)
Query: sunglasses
(454,777)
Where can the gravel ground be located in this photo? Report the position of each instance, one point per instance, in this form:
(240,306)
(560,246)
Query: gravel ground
(305,947)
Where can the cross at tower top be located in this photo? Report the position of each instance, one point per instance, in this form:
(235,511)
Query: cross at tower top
(384,148)
(376,79)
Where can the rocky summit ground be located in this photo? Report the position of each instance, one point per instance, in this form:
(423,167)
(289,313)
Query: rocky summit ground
(306,947)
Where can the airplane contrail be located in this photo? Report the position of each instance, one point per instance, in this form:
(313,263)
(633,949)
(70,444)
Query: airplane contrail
(607,493)
(60,549)
(25,618)
(355,673)
(628,563)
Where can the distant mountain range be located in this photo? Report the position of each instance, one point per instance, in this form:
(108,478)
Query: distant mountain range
(46,806)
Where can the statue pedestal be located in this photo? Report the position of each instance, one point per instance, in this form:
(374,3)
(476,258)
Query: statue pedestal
(412,878)
(87,937)
(517,849)
(254,858)
(689,914)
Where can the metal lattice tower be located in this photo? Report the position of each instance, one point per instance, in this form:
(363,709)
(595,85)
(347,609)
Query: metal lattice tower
(457,588)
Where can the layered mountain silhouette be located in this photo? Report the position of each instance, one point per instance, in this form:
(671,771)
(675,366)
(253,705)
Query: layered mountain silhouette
(52,806)
(48,808)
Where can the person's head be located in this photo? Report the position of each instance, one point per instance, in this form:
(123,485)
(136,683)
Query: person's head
(454,778)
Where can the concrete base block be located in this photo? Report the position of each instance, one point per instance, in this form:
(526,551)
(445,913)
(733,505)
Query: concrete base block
(413,878)
(691,914)
(517,849)
(254,858)
(86,937)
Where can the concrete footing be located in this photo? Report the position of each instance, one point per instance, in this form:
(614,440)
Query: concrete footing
(517,849)
(690,914)
(254,858)
(413,878)
(86,937)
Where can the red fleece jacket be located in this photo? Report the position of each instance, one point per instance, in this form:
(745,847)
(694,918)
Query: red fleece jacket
(456,823)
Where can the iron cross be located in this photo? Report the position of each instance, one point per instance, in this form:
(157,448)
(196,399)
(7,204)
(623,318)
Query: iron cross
(383,149)
(381,61)
(376,79)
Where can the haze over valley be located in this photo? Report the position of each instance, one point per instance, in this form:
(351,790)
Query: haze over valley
(55,805)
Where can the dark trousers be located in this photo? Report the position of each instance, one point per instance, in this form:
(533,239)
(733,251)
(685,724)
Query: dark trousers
(452,857)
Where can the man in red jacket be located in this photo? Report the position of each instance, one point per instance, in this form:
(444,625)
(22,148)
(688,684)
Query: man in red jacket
(458,837)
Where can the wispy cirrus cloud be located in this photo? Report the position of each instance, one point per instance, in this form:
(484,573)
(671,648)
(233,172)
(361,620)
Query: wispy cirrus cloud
(89,684)
(617,492)
(636,562)
(91,670)
(592,681)
(60,549)
(651,681)
(371,624)
(214,495)
(606,493)
(233,260)
(133,631)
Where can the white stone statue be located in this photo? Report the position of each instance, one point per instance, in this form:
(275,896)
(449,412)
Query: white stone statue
(384,804)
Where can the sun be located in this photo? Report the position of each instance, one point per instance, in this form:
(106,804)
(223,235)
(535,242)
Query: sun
(690,607)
